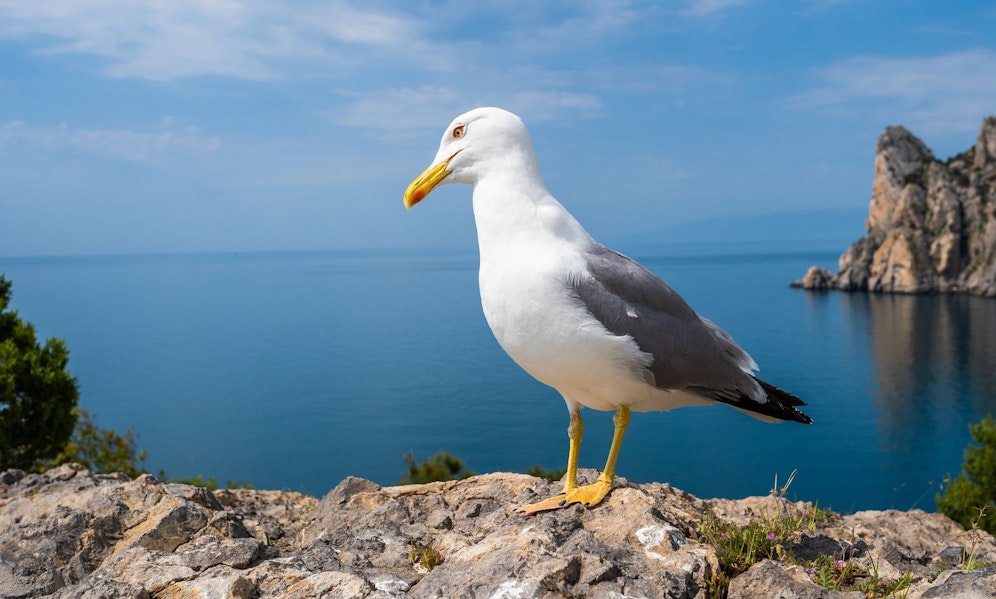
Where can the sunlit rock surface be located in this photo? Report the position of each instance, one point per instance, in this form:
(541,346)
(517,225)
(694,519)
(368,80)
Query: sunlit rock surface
(70,533)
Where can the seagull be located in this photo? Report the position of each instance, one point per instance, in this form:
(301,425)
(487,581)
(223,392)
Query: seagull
(598,327)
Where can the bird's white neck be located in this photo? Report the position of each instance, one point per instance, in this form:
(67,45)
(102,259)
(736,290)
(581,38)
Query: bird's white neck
(514,208)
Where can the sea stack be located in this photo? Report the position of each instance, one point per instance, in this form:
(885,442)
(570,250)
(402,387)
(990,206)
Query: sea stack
(931,224)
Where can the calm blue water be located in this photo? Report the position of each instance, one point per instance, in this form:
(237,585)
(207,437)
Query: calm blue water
(294,370)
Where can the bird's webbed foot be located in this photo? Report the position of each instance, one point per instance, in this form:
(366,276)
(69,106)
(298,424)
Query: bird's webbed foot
(591,495)
(553,503)
(588,496)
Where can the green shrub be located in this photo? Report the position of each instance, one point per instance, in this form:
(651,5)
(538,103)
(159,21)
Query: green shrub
(551,475)
(37,394)
(423,554)
(970,498)
(102,449)
(441,466)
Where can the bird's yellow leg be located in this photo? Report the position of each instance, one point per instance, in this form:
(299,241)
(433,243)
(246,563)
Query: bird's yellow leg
(574,432)
(593,494)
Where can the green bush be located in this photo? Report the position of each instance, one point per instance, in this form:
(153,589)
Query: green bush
(970,498)
(37,394)
(441,466)
(551,475)
(101,449)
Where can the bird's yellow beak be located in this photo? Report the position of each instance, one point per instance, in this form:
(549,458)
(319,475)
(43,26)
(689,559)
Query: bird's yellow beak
(426,182)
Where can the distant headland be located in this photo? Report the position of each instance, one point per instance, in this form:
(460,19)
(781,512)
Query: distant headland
(931,225)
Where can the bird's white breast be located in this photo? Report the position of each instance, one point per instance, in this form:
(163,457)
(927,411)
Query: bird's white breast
(543,326)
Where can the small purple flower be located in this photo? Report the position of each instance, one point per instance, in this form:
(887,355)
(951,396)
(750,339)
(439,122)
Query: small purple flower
(722,535)
(770,536)
(840,563)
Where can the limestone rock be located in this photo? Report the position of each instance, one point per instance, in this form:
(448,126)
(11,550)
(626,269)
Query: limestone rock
(771,579)
(69,533)
(817,279)
(975,584)
(931,225)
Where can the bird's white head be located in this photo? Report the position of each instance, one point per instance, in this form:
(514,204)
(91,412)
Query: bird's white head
(474,144)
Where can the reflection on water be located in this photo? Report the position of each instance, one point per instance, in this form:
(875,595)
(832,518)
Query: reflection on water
(934,360)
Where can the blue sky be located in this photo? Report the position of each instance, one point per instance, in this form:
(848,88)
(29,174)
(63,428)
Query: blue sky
(238,125)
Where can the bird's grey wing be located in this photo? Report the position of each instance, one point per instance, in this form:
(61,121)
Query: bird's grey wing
(630,300)
(690,353)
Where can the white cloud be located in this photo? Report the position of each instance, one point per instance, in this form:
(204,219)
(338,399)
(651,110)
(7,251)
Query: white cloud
(706,8)
(655,77)
(403,73)
(536,106)
(945,93)
(593,18)
(402,112)
(812,8)
(163,40)
(410,112)
(268,39)
(131,145)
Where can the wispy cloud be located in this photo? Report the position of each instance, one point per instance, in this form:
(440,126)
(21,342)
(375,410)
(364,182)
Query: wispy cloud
(940,30)
(537,106)
(656,77)
(706,8)
(394,71)
(812,8)
(945,93)
(591,19)
(168,139)
(397,73)
(269,39)
(402,112)
(188,38)
(408,112)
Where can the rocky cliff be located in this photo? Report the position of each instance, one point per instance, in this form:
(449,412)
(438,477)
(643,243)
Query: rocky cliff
(70,533)
(931,225)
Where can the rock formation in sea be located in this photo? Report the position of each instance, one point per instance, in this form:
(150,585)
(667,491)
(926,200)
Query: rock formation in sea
(71,533)
(931,225)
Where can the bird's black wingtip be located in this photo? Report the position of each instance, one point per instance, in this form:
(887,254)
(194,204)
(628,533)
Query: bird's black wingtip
(777,405)
(801,418)
(783,405)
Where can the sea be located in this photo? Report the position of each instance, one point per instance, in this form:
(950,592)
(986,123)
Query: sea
(294,370)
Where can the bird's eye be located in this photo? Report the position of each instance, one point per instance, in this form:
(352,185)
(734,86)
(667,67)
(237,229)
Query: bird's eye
(459,131)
